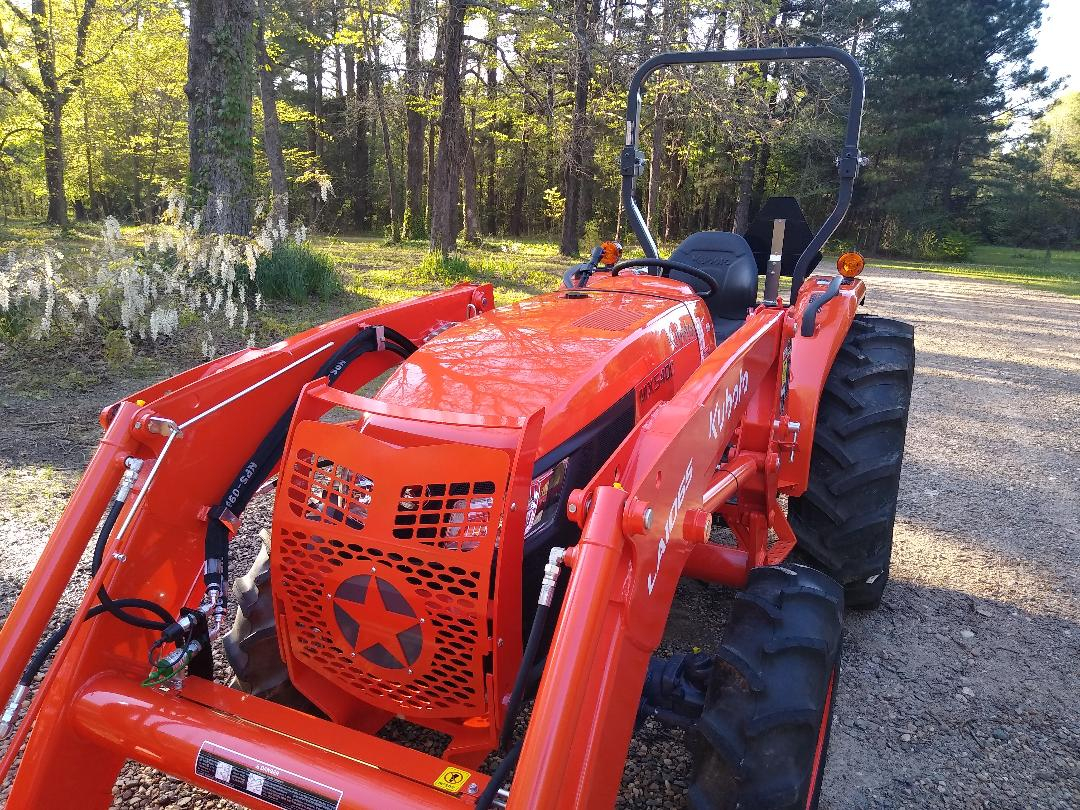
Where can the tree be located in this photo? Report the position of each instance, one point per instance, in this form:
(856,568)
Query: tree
(943,79)
(449,161)
(221,62)
(275,158)
(53,85)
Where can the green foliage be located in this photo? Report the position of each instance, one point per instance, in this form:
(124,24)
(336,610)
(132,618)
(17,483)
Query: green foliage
(295,272)
(443,270)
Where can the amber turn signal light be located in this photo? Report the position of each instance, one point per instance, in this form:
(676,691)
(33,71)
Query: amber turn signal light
(612,253)
(850,264)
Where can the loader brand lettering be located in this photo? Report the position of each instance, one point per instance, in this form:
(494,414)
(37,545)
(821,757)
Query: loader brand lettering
(253,777)
(652,385)
(722,410)
(245,476)
(669,524)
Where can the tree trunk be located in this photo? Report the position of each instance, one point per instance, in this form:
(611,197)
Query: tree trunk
(656,158)
(90,191)
(221,56)
(449,158)
(279,190)
(573,173)
(746,186)
(517,210)
(492,156)
(53,138)
(361,197)
(472,216)
(414,124)
(372,35)
(313,76)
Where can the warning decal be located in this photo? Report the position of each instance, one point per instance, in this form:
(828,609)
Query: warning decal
(452,779)
(281,788)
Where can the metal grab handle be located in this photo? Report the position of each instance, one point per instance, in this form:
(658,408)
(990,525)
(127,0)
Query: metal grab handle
(632,161)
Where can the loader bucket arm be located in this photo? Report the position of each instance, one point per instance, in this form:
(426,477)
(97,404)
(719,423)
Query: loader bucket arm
(193,434)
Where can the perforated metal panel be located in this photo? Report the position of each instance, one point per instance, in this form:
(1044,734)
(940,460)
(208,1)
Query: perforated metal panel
(385,574)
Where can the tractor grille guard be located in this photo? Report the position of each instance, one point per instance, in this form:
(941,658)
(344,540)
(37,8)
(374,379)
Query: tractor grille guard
(384,560)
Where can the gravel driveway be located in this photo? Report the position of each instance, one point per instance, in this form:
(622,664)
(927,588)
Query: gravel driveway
(961,691)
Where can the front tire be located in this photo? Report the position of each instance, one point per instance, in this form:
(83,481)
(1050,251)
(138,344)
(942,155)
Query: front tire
(844,520)
(764,732)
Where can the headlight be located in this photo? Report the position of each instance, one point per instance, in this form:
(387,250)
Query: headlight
(545,494)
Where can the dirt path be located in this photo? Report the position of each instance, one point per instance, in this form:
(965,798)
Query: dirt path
(961,691)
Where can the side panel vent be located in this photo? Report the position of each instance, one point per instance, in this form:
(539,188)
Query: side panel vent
(607,318)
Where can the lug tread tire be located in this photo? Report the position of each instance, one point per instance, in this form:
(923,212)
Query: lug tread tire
(755,747)
(251,646)
(844,520)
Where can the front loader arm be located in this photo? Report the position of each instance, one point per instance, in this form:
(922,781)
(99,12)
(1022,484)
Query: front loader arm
(221,411)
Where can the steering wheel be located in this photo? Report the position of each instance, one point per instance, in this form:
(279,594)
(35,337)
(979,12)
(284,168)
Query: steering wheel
(666,266)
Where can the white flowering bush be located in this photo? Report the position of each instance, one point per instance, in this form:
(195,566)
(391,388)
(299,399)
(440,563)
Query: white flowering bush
(145,287)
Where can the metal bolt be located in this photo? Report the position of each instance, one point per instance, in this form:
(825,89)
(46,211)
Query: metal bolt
(410,672)
(513,506)
(421,621)
(472,788)
(499,643)
(119,557)
(373,569)
(572,508)
(646,518)
(138,425)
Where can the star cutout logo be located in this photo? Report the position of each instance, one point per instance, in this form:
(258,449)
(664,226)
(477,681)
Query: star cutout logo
(377,622)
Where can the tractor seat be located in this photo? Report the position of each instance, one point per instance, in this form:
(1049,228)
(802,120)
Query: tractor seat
(727,258)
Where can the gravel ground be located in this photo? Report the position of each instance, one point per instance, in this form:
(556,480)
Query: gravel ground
(960,692)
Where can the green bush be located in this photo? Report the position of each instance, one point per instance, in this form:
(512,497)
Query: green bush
(955,245)
(295,272)
(443,271)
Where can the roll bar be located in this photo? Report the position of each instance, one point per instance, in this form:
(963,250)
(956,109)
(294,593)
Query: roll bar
(632,159)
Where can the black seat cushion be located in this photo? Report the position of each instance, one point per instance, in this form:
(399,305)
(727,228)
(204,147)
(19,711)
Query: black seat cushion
(727,258)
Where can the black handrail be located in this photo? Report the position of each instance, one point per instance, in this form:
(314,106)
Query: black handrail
(632,160)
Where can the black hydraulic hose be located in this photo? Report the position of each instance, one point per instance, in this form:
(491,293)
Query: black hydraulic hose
(521,682)
(114,606)
(41,655)
(498,779)
(266,455)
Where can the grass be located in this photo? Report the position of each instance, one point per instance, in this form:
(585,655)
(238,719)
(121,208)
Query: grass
(1029,267)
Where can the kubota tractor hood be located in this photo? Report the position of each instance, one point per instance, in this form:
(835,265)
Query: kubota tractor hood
(569,354)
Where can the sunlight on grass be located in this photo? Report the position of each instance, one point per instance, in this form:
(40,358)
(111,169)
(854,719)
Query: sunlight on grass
(1029,267)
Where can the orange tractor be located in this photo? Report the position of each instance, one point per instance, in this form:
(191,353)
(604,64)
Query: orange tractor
(505,521)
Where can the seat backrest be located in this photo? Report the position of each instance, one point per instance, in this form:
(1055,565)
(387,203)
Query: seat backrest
(727,258)
(797,235)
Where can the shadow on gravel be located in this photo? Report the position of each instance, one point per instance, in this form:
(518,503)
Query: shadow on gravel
(954,700)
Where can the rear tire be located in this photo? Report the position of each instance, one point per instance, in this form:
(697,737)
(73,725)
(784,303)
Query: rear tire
(764,732)
(251,646)
(844,520)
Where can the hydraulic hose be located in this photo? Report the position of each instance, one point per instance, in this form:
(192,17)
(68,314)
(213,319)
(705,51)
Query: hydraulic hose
(115,606)
(532,646)
(268,453)
(536,635)
(498,779)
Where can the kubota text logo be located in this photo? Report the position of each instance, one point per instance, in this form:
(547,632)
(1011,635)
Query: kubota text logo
(723,408)
(669,524)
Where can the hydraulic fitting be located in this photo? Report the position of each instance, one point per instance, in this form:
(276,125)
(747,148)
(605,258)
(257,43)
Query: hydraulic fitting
(7,719)
(551,576)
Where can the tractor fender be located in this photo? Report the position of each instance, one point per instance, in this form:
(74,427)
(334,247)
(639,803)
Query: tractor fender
(810,361)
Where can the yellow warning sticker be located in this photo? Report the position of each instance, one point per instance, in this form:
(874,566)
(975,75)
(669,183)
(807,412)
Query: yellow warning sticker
(452,780)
